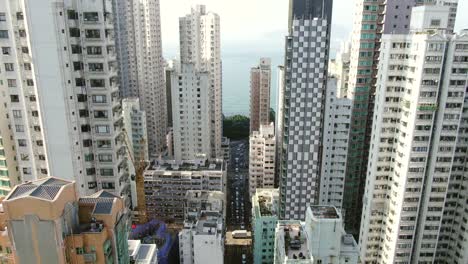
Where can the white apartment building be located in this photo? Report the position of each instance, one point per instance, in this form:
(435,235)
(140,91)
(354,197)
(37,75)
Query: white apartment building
(262,150)
(135,127)
(337,119)
(202,238)
(167,182)
(260,85)
(339,68)
(200,45)
(415,198)
(59,62)
(191,112)
(9,175)
(138,34)
(321,238)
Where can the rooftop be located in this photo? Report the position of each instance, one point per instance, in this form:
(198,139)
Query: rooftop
(295,241)
(141,253)
(103,202)
(187,165)
(324,212)
(267,200)
(45,189)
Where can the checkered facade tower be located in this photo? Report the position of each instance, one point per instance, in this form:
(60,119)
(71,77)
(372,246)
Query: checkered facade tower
(305,77)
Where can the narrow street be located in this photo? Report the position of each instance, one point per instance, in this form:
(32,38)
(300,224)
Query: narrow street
(238,208)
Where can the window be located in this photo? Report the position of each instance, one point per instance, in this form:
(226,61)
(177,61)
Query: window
(14,98)
(105,157)
(9,67)
(99,99)
(77,66)
(76,49)
(11,83)
(2,17)
(40,143)
(94,50)
(6,50)
(3,33)
(92,33)
(100,114)
(30,82)
(108,185)
(100,129)
(97,83)
(19,128)
(105,144)
(27,66)
(80,82)
(87,143)
(22,142)
(22,33)
(90,171)
(83,113)
(75,32)
(25,50)
(90,16)
(435,22)
(72,14)
(19,16)
(32,98)
(106,172)
(26,170)
(17,113)
(89,157)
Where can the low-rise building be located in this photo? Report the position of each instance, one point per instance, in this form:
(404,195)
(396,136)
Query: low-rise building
(264,219)
(202,238)
(262,158)
(47,221)
(167,182)
(142,253)
(320,239)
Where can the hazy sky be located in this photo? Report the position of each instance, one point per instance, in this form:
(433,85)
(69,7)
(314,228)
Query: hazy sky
(256,26)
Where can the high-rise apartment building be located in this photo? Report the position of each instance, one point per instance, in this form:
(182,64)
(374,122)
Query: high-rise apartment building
(260,85)
(42,214)
(339,69)
(134,120)
(262,167)
(265,209)
(139,47)
(337,118)
(415,198)
(303,93)
(200,45)
(60,65)
(191,112)
(372,19)
(9,175)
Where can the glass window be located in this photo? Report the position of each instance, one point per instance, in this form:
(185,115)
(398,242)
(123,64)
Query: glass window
(3,33)
(2,16)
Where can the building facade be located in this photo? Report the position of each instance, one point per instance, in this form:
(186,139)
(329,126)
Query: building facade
(167,182)
(262,149)
(260,86)
(337,119)
(191,112)
(339,69)
(200,45)
(305,77)
(63,92)
(372,19)
(265,209)
(135,128)
(202,238)
(142,75)
(321,238)
(414,197)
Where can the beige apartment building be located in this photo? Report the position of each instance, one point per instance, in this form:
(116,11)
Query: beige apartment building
(260,83)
